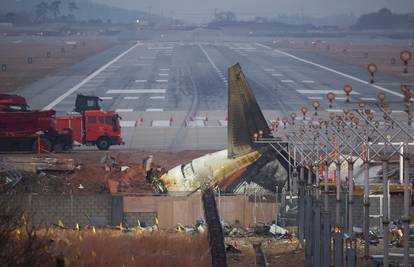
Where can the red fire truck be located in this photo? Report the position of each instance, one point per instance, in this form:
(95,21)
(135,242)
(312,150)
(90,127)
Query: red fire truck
(90,125)
(22,129)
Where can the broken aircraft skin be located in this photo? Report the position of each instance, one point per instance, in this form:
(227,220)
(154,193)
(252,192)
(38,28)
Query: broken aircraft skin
(243,160)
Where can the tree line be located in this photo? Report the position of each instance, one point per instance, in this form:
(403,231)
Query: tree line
(45,11)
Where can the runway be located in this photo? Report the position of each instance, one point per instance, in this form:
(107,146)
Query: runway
(172,95)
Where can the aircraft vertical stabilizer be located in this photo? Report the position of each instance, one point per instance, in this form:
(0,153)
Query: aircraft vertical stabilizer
(244,115)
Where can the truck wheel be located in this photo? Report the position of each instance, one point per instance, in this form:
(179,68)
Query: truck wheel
(45,145)
(103,143)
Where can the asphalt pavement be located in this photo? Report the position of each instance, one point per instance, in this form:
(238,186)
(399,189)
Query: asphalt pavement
(172,92)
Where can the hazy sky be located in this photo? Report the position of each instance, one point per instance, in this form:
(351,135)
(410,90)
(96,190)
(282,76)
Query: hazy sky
(204,9)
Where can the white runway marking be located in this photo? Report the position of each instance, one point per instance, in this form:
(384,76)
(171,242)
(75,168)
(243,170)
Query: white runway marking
(131,97)
(157,97)
(308,81)
(334,110)
(331,70)
(161,81)
(268,70)
(163,74)
(161,48)
(315,97)
(140,81)
(106,97)
(164,69)
(154,109)
(277,74)
(124,110)
(220,74)
(319,92)
(87,79)
(287,81)
(128,124)
(137,91)
(368,99)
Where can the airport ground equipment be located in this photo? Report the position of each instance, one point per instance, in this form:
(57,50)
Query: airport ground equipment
(90,125)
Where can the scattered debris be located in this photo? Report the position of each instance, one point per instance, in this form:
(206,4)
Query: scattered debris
(36,165)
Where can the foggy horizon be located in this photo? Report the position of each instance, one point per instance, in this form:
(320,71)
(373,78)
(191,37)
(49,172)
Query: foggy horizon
(203,11)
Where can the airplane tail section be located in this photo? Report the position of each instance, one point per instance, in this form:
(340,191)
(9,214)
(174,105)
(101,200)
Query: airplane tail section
(244,115)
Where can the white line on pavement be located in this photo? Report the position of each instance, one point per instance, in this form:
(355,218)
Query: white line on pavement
(334,110)
(319,92)
(137,91)
(87,79)
(368,99)
(161,81)
(140,81)
(128,124)
(331,70)
(277,74)
(163,74)
(315,97)
(154,109)
(157,97)
(131,97)
(164,69)
(212,62)
(287,81)
(106,97)
(308,81)
(269,69)
(124,110)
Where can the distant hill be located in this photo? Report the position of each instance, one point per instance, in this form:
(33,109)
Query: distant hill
(385,19)
(87,10)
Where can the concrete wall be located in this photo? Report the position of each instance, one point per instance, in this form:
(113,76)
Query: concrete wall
(105,209)
(71,209)
(187,210)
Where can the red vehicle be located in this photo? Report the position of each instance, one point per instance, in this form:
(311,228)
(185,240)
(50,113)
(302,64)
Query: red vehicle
(91,125)
(22,129)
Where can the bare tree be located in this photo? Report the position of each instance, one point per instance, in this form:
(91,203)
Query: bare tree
(42,10)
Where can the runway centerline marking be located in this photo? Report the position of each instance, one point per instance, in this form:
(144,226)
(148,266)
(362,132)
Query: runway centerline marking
(124,110)
(140,81)
(331,70)
(287,81)
(308,81)
(163,74)
(137,91)
(220,74)
(157,97)
(87,79)
(161,81)
(106,97)
(131,97)
(154,109)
